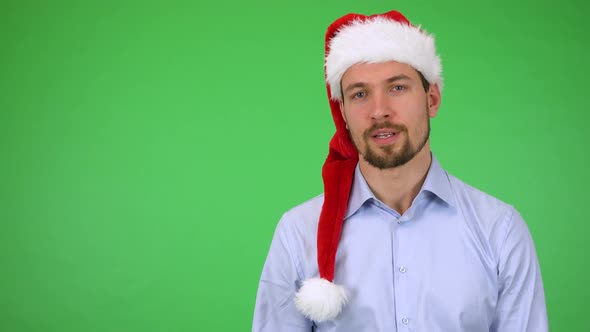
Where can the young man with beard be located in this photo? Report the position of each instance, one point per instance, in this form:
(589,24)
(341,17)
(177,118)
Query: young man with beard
(395,243)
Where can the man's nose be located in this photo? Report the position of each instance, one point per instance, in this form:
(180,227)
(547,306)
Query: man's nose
(381,107)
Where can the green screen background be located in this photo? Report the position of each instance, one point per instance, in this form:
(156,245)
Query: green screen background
(148,148)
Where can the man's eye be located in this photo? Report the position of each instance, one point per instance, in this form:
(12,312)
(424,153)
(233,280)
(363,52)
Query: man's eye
(359,94)
(398,88)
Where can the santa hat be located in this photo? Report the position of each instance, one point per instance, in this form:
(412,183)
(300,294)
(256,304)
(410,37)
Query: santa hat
(353,39)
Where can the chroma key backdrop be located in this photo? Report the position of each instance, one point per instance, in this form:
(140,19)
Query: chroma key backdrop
(148,148)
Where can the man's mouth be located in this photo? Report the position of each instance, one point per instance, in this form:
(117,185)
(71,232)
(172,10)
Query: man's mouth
(384,135)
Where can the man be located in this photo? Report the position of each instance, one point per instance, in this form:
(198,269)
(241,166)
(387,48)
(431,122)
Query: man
(395,243)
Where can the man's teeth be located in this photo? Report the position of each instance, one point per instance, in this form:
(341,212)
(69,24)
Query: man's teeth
(384,135)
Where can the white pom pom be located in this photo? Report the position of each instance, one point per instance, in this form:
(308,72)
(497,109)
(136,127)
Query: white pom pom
(320,300)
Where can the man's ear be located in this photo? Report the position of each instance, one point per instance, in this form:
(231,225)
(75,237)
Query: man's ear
(434,99)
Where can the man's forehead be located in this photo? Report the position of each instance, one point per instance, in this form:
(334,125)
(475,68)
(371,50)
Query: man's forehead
(378,72)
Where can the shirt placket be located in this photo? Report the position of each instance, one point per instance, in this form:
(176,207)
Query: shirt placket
(402,274)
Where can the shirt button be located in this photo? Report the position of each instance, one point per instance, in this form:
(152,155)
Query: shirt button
(405,321)
(402,269)
(399,221)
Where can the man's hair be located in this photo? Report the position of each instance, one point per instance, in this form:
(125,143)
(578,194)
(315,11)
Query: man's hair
(425,83)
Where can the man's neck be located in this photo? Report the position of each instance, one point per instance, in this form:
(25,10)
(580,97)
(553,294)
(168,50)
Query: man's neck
(397,187)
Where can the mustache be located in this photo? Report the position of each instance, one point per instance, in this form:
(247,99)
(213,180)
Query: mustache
(384,125)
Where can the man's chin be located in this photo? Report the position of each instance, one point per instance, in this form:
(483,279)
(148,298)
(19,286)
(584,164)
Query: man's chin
(381,162)
(385,160)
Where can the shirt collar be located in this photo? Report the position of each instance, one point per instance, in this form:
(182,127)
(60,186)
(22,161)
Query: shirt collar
(436,182)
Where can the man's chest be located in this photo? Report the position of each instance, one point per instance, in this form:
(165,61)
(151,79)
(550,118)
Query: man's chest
(412,277)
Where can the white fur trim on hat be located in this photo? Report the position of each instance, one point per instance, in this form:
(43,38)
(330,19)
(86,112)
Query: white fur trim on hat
(378,40)
(320,300)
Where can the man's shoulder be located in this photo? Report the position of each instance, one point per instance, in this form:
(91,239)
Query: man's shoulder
(465,190)
(486,215)
(309,209)
(486,207)
(302,220)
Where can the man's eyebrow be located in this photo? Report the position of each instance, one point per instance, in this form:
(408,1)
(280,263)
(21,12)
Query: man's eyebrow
(389,80)
(354,85)
(397,78)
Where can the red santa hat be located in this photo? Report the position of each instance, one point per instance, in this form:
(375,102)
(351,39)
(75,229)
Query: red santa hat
(353,39)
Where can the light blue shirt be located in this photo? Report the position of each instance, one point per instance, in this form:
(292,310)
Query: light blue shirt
(456,260)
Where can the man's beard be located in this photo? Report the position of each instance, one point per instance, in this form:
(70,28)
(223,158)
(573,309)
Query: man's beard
(391,159)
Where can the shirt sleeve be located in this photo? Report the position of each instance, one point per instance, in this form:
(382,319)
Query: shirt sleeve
(521,299)
(275,308)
